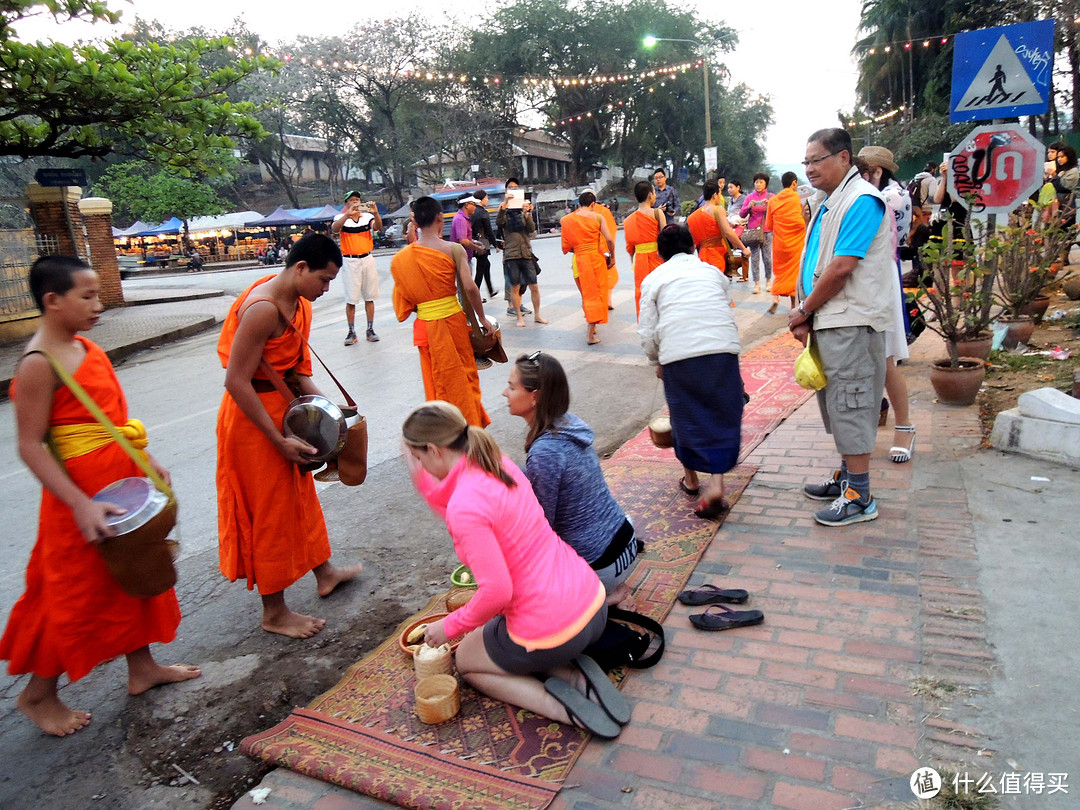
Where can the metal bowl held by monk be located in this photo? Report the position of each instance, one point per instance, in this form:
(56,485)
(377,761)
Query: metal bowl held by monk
(138,497)
(317,421)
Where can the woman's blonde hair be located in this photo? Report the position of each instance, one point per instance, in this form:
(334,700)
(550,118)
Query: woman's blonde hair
(443,425)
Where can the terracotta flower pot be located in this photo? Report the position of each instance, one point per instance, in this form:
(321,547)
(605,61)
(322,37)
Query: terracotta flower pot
(1020,330)
(960,385)
(1036,308)
(1071,286)
(976,347)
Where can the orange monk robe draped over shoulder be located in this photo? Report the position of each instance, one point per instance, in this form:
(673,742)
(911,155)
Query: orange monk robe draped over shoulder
(784,219)
(271,529)
(447,361)
(581,234)
(642,229)
(707,236)
(613,227)
(73,615)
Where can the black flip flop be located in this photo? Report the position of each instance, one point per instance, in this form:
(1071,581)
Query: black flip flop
(711,595)
(719,617)
(597,683)
(582,711)
(693,493)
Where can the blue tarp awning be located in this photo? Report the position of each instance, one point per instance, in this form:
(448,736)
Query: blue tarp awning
(279,218)
(169,227)
(134,229)
(327,213)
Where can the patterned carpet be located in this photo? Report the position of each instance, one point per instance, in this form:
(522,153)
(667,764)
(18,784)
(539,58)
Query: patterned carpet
(363,734)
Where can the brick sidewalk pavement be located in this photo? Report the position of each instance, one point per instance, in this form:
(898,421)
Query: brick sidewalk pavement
(815,709)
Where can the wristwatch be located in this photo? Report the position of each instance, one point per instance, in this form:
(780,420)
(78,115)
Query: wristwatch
(803,311)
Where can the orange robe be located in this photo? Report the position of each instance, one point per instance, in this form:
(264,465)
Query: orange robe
(447,361)
(642,229)
(784,219)
(613,227)
(73,615)
(581,235)
(271,529)
(708,238)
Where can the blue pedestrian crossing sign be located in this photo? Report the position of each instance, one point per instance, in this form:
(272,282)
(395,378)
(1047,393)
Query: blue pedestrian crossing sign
(1002,72)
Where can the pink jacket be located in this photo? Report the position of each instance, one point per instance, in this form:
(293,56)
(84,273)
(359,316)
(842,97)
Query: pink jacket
(524,571)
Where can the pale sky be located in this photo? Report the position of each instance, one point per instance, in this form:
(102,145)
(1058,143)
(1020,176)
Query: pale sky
(797,54)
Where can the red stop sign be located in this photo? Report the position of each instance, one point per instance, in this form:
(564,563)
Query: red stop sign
(997,167)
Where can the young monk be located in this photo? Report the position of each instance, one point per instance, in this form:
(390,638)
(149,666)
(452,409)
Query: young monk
(709,228)
(784,220)
(73,615)
(613,228)
(426,278)
(271,530)
(581,233)
(640,230)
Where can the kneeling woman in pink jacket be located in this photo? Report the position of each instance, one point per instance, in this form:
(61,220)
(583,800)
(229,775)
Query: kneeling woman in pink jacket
(538,604)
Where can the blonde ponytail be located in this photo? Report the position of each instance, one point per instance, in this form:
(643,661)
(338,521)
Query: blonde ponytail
(484,452)
(443,425)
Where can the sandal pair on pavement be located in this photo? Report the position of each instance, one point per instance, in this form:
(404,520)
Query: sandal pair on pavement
(604,718)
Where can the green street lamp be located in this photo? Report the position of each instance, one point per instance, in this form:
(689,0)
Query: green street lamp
(649,41)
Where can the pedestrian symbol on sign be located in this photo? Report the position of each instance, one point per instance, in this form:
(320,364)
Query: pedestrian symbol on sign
(1001,67)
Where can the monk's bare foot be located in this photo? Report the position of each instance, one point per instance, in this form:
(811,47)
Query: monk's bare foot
(293,625)
(329,577)
(521,322)
(52,716)
(538,319)
(146,679)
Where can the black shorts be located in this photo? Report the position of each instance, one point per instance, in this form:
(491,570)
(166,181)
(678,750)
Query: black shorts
(515,659)
(520,271)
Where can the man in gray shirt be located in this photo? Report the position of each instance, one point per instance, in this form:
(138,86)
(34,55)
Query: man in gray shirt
(667,198)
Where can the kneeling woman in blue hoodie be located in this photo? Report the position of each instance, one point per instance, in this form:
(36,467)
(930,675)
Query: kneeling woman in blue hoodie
(565,473)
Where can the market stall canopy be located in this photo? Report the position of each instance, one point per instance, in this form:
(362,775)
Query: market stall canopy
(279,218)
(327,213)
(131,230)
(223,222)
(169,227)
(556,195)
(401,213)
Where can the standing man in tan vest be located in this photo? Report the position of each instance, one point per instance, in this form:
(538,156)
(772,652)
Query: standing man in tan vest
(845,308)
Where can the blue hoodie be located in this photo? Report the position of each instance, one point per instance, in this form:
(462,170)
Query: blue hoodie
(566,477)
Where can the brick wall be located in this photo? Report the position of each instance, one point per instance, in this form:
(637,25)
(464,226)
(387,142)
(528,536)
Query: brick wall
(47,209)
(97,218)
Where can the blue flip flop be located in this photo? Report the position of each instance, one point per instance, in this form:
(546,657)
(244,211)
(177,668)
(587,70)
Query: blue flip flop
(598,683)
(582,711)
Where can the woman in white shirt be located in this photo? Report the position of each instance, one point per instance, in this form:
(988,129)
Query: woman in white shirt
(688,330)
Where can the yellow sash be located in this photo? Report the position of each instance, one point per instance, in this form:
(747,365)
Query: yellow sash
(438,309)
(645,247)
(72,441)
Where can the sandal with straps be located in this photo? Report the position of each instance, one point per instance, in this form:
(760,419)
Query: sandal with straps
(898,454)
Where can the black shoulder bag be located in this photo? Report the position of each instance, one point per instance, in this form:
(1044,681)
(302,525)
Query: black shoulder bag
(626,641)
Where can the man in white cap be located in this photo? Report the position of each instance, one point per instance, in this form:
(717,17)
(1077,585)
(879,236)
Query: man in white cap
(361,280)
(461,230)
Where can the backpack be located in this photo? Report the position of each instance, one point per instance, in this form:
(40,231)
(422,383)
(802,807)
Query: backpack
(916,190)
(626,640)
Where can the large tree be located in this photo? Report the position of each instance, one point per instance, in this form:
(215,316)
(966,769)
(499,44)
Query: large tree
(139,191)
(152,100)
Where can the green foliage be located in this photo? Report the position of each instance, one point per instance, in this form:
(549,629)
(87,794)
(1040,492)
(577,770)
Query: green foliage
(152,100)
(138,191)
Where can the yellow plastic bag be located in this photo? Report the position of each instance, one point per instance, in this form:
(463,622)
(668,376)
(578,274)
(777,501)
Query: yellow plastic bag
(808,371)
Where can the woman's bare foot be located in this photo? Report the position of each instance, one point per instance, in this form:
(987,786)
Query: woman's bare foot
(620,597)
(328,577)
(145,679)
(51,715)
(538,319)
(293,625)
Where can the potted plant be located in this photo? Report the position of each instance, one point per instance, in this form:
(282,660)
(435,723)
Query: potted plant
(1028,256)
(957,290)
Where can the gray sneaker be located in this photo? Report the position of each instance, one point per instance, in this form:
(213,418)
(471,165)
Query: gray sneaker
(371,336)
(827,490)
(846,510)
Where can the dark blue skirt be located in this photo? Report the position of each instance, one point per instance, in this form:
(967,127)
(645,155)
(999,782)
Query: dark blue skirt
(705,397)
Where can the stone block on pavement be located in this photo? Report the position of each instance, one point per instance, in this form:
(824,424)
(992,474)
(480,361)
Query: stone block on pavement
(1051,404)
(1039,438)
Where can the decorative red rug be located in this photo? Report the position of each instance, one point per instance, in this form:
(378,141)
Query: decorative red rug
(363,733)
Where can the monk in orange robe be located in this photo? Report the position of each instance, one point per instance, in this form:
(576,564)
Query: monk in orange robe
(711,230)
(613,227)
(271,530)
(426,277)
(640,230)
(581,233)
(784,219)
(73,615)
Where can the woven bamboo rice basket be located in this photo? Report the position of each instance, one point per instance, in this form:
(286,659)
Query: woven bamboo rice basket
(437,699)
(660,431)
(443,664)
